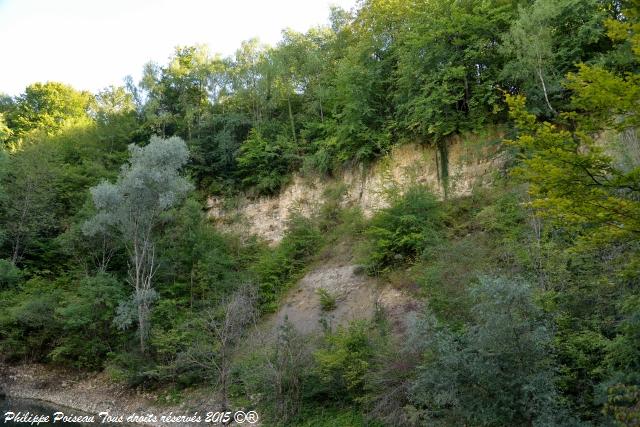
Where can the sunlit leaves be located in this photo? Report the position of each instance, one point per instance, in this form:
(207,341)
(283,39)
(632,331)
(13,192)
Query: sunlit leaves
(47,107)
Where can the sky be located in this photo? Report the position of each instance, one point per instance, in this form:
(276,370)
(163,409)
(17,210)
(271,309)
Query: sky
(91,44)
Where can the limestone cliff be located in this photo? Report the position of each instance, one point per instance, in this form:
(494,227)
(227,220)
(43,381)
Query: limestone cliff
(467,162)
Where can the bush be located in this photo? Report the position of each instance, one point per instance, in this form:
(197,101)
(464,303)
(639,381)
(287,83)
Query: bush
(200,265)
(10,275)
(623,404)
(278,374)
(133,368)
(330,417)
(489,229)
(278,268)
(497,370)
(345,359)
(266,164)
(322,159)
(327,300)
(28,325)
(86,319)
(403,231)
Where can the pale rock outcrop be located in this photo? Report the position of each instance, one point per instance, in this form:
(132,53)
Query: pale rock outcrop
(470,163)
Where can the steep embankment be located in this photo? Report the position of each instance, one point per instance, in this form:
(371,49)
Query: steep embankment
(357,296)
(469,161)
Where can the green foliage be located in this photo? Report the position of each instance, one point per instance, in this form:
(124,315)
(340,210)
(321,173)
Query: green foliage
(86,319)
(359,128)
(266,165)
(28,214)
(132,368)
(624,350)
(278,268)
(132,210)
(342,93)
(594,349)
(344,360)
(199,264)
(177,95)
(578,182)
(497,371)
(337,221)
(327,300)
(585,288)
(10,275)
(333,418)
(5,132)
(278,374)
(403,231)
(28,325)
(490,229)
(214,152)
(47,107)
(623,403)
(605,99)
(209,341)
(572,178)
(449,86)
(541,54)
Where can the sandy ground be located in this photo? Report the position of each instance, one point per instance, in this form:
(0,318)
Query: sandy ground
(95,392)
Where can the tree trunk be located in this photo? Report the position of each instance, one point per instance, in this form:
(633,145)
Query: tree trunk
(293,126)
(15,257)
(544,87)
(16,251)
(141,326)
(442,162)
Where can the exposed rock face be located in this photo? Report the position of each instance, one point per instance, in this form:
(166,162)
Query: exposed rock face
(355,295)
(357,298)
(471,161)
(470,164)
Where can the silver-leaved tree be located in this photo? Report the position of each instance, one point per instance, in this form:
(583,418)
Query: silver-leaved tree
(132,210)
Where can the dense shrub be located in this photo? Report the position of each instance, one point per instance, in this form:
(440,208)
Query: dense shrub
(345,358)
(265,165)
(334,417)
(278,268)
(86,318)
(497,370)
(10,275)
(277,374)
(404,230)
(28,324)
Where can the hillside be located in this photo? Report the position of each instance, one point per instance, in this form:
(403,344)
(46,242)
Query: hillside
(421,214)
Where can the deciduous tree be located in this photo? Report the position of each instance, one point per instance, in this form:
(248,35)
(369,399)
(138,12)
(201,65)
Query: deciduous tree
(133,210)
